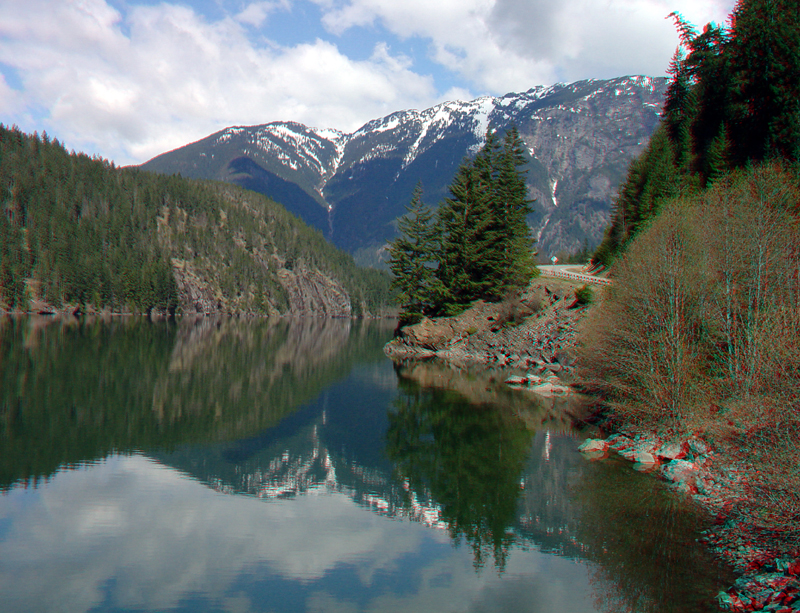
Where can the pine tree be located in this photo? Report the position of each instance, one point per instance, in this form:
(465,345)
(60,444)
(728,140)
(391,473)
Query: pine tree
(469,262)
(765,59)
(412,260)
(513,208)
(679,109)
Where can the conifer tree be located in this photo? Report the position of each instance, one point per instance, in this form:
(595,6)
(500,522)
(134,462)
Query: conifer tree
(765,58)
(511,196)
(469,261)
(479,246)
(412,260)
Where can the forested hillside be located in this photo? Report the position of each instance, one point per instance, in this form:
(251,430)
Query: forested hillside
(733,100)
(77,231)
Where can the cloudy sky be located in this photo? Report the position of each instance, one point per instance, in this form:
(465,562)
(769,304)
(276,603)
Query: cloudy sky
(129,79)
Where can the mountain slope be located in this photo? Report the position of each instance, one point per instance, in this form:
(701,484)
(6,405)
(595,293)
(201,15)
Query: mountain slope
(580,138)
(78,233)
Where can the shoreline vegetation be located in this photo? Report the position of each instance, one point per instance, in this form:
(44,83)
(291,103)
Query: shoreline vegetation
(542,334)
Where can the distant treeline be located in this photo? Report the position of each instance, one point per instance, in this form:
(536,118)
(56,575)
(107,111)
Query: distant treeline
(76,230)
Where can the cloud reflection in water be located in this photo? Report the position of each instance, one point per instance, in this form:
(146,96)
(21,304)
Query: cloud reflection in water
(130,533)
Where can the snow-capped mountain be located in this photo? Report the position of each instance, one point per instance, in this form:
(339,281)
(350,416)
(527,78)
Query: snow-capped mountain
(580,140)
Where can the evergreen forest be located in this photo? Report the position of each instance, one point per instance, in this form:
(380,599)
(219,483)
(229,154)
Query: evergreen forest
(77,231)
(476,245)
(733,101)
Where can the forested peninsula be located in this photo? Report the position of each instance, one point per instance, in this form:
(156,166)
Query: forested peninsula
(78,234)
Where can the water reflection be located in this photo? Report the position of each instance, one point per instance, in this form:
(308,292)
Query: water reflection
(72,391)
(467,457)
(215,465)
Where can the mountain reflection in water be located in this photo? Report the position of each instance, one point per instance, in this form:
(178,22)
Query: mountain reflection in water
(288,466)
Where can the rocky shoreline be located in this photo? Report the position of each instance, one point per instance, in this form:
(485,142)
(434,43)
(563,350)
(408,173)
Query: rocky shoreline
(536,335)
(692,467)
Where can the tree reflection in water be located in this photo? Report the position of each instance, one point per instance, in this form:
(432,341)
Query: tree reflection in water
(643,539)
(467,457)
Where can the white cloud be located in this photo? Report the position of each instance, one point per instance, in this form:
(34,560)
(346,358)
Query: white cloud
(255,14)
(163,76)
(143,536)
(502,45)
(147,537)
(132,83)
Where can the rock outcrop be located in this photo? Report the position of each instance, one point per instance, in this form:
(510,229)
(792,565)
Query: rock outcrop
(536,330)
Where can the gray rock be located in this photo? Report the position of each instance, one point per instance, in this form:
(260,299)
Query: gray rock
(564,358)
(644,458)
(591,445)
(698,446)
(671,451)
(619,441)
(679,471)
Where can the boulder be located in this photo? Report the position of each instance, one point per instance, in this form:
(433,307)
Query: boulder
(644,457)
(697,446)
(517,380)
(591,445)
(671,451)
(619,441)
(428,333)
(644,461)
(550,388)
(681,472)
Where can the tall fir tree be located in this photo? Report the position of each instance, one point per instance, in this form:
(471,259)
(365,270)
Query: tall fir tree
(482,248)
(469,264)
(413,261)
(511,199)
(765,60)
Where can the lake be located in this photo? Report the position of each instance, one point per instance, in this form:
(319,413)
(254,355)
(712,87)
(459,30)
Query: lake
(236,465)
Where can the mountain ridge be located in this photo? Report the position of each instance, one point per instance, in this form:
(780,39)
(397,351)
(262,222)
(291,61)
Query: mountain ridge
(580,138)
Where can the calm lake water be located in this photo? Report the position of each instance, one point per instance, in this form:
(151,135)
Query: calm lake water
(289,466)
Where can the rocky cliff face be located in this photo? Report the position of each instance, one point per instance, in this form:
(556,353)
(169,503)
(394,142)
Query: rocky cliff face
(580,139)
(309,292)
(312,293)
(221,267)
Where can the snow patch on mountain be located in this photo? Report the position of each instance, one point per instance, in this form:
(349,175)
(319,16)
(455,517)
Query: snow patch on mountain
(483,108)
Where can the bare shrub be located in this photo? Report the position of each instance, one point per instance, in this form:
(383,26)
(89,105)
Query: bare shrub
(650,343)
(512,311)
(753,240)
(702,325)
(701,332)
